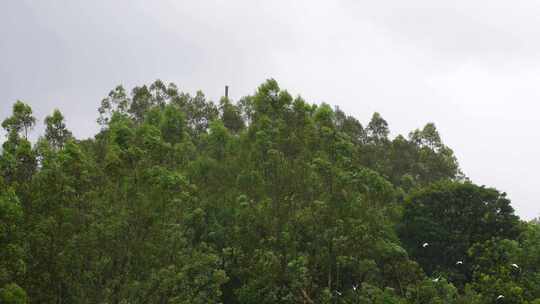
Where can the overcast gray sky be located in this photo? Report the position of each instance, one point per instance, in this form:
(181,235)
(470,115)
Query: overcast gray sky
(472,67)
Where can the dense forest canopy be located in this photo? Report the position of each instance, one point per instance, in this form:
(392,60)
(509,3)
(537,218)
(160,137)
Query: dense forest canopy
(269,199)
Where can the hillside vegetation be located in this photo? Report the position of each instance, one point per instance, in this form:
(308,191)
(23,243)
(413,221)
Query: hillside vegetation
(269,199)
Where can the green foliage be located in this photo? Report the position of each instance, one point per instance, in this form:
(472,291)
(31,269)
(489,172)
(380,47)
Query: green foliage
(451,217)
(267,200)
(377,129)
(13,294)
(56,132)
(21,120)
(12,265)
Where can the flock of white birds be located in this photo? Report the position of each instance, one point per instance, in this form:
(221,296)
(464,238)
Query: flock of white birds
(500,297)
(425,245)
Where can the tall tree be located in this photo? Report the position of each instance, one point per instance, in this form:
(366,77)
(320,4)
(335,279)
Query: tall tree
(21,120)
(377,129)
(18,161)
(56,132)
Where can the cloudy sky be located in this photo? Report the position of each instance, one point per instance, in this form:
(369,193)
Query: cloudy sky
(470,66)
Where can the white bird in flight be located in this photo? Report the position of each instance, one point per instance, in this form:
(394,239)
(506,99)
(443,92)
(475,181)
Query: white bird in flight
(425,245)
(354,287)
(500,297)
(436,279)
(338,293)
(459,262)
(273,94)
(515,266)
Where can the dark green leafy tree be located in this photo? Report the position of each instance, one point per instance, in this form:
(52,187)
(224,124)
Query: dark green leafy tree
(441,223)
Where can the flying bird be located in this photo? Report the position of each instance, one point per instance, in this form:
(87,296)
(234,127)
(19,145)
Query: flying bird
(425,245)
(500,297)
(338,292)
(354,287)
(273,94)
(459,262)
(436,279)
(515,266)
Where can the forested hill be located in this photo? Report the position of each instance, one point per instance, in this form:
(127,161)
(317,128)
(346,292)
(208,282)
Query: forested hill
(269,199)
